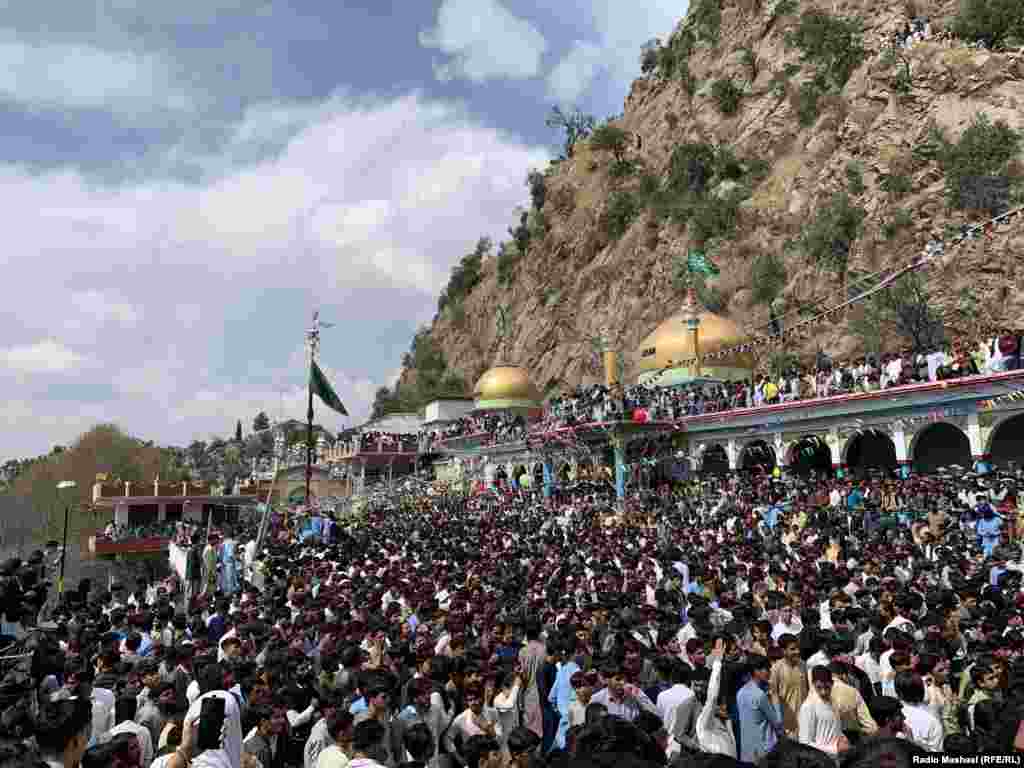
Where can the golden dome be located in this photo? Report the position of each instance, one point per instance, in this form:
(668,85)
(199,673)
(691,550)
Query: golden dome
(506,386)
(671,343)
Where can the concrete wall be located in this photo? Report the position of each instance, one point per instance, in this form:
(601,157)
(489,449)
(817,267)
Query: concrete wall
(447,410)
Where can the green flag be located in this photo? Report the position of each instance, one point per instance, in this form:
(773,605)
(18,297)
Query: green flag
(321,387)
(699,264)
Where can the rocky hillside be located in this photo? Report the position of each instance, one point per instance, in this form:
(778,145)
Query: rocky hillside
(787,139)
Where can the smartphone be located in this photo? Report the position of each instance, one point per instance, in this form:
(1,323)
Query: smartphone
(211,723)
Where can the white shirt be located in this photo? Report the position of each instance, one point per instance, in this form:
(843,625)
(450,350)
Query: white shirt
(925,728)
(713,735)
(782,628)
(676,707)
(103,702)
(819,725)
(869,667)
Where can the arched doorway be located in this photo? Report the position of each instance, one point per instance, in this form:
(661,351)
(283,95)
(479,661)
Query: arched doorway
(811,454)
(758,456)
(1008,442)
(871,449)
(940,445)
(715,460)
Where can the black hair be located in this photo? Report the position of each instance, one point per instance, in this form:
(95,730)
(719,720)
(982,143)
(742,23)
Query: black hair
(258,714)
(595,711)
(367,734)
(419,742)
(758,663)
(476,747)
(340,722)
(99,755)
(910,687)
(125,708)
(522,739)
(897,752)
(884,708)
(60,722)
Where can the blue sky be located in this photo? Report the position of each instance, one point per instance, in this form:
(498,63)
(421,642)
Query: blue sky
(185,182)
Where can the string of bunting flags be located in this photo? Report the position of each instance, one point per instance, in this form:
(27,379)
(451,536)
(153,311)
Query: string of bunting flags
(988,405)
(933,250)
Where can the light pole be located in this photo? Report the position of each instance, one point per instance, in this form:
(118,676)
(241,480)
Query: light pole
(64,547)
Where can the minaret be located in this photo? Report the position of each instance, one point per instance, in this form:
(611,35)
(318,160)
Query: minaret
(691,313)
(278,451)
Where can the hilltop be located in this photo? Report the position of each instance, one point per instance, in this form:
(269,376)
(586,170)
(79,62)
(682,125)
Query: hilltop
(793,143)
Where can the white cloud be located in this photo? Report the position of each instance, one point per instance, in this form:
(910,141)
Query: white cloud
(180,308)
(47,356)
(97,309)
(575,72)
(64,76)
(618,32)
(484,41)
(623,28)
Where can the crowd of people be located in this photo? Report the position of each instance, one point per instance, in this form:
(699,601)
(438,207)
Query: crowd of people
(756,620)
(998,353)
(376,441)
(128,532)
(493,427)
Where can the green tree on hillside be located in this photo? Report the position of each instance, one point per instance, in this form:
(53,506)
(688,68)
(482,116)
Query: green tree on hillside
(465,275)
(993,23)
(576,125)
(103,449)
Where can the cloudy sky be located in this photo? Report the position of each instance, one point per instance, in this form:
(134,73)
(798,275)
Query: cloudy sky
(183,183)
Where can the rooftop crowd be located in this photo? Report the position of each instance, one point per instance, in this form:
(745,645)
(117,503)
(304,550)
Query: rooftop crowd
(999,353)
(497,427)
(750,619)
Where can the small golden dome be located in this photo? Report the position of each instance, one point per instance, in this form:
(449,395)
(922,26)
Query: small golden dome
(671,343)
(506,386)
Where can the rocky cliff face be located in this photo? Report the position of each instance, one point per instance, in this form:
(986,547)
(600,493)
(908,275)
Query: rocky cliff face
(576,280)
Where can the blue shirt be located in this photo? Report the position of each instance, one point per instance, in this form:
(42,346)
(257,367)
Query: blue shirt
(760,722)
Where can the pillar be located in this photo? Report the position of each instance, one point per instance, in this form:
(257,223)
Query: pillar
(619,446)
(161,512)
(974,436)
(549,480)
(732,452)
(835,449)
(780,452)
(978,456)
(362,475)
(899,441)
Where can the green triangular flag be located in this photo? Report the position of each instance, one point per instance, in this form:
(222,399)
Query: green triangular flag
(322,388)
(699,264)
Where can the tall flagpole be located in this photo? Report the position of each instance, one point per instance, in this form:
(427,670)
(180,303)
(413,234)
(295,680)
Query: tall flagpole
(313,336)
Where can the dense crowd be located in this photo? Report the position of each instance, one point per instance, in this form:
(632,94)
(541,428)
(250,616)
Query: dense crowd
(759,620)
(126,532)
(998,353)
(376,441)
